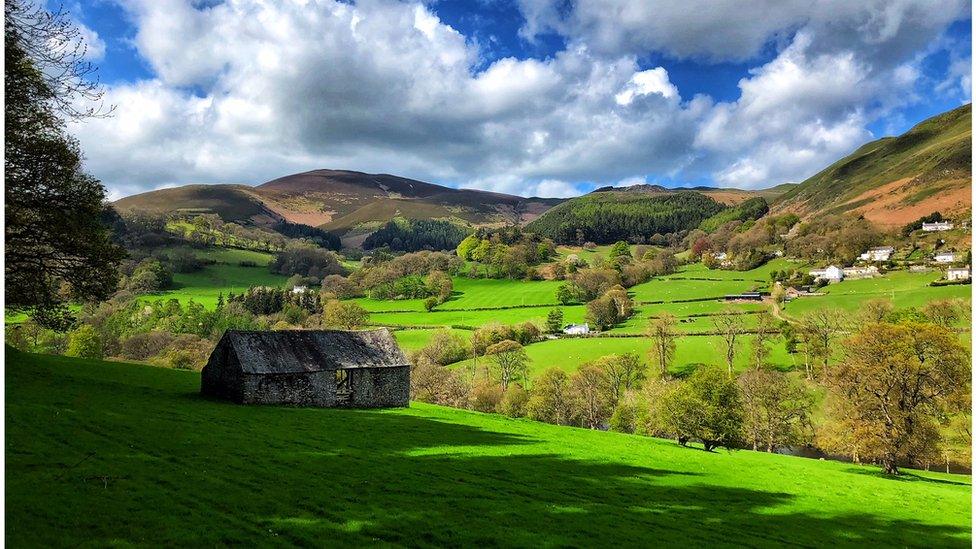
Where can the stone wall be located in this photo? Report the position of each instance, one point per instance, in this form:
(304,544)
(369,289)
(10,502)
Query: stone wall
(387,387)
(384,387)
(302,389)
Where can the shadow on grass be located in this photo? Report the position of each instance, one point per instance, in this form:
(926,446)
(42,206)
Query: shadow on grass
(176,469)
(904,476)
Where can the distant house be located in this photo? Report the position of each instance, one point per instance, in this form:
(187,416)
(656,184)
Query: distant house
(830,274)
(861,272)
(957,273)
(299,289)
(944,257)
(577,329)
(878,254)
(937,226)
(325,368)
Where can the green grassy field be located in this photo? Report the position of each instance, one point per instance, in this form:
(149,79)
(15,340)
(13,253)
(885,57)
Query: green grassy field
(569,353)
(104,453)
(904,289)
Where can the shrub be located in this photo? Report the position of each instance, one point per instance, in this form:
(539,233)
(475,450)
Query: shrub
(624,418)
(485,397)
(514,401)
(84,342)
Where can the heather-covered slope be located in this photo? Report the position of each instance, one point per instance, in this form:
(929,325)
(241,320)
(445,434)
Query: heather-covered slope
(895,180)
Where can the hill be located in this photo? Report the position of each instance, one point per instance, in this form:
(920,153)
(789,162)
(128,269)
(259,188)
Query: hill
(608,215)
(340,201)
(895,180)
(727,196)
(237,203)
(107,453)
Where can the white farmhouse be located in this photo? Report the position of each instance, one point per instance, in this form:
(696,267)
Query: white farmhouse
(944,257)
(937,226)
(957,273)
(577,329)
(830,274)
(878,254)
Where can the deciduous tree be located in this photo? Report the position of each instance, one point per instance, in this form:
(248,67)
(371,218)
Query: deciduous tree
(730,327)
(663,337)
(896,381)
(776,410)
(510,360)
(706,407)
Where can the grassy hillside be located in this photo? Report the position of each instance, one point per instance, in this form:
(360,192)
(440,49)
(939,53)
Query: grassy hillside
(895,180)
(118,454)
(235,203)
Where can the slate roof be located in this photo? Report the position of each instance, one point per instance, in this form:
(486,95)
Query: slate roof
(299,351)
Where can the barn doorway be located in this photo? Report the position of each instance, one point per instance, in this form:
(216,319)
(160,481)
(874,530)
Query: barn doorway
(344,386)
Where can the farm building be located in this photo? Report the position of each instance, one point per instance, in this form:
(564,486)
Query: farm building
(937,226)
(861,272)
(830,274)
(745,296)
(878,254)
(577,329)
(325,368)
(961,273)
(944,257)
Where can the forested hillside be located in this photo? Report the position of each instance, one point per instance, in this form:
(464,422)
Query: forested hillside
(608,216)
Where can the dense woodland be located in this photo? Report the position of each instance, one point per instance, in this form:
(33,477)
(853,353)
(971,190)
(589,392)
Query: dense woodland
(606,217)
(413,235)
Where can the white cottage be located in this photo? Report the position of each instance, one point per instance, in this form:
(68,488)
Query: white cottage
(937,226)
(944,257)
(577,329)
(957,273)
(878,254)
(830,274)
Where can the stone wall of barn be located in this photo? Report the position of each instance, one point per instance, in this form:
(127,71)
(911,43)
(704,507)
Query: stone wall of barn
(300,389)
(384,387)
(381,387)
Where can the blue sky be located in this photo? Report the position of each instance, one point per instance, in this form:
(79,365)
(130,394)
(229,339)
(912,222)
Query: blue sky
(530,96)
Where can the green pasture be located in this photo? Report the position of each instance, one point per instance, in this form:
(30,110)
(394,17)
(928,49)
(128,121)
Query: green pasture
(904,289)
(206,284)
(110,454)
(471,293)
(228,256)
(569,353)
(411,340)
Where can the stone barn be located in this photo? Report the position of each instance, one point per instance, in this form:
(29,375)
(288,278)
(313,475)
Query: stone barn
(325,368)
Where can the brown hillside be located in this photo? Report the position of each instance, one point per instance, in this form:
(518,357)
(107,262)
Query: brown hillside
(896,180)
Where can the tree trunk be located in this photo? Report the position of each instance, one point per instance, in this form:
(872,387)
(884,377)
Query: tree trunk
(889,466)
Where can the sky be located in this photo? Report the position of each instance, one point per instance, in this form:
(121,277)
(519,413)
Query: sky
(529,97)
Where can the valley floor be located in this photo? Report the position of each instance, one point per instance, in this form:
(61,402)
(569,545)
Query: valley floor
(105,453)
